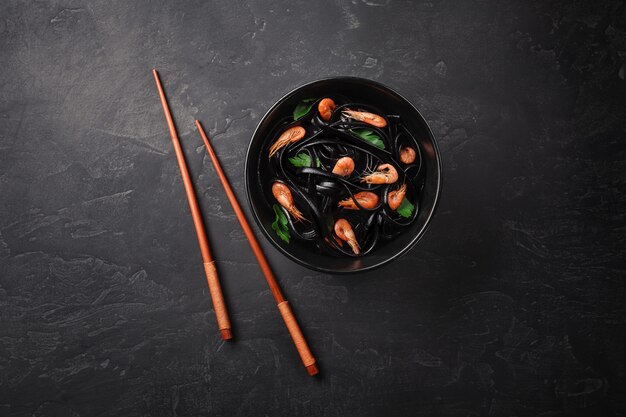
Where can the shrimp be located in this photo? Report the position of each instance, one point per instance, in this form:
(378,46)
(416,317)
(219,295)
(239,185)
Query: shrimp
(292,134)
(365,117)
(366,199)
(344,231)
(385,174)
(326,107)
(344,166)
(336,239)
(407,155)
(395,197)
(282,194)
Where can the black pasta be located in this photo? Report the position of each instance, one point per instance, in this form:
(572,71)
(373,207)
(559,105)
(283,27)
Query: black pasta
(378,198)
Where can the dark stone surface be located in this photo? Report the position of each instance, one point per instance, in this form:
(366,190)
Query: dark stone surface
(512,304)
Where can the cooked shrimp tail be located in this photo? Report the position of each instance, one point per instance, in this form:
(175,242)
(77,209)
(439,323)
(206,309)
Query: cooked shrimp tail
(407,155)
(292,134)
(282,194)
(366,199)
(365,117)
(344,166)
(395,197)
(326,107)
(344,231)
(384,174)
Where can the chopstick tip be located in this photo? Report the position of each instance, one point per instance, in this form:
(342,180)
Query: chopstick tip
(226,334)
(312,370)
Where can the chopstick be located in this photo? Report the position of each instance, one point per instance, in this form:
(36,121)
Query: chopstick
(283,306)
(209,264)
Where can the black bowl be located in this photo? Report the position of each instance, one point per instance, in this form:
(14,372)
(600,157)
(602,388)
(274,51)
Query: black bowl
(364,91)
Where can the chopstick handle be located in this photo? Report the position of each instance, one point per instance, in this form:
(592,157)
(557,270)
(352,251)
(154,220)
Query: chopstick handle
(219,305)
(298,338)
(209,265)
(285,311)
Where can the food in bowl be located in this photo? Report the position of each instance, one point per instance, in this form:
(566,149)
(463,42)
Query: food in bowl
(344,176)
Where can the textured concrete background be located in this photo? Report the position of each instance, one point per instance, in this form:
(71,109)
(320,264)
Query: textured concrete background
(512,304)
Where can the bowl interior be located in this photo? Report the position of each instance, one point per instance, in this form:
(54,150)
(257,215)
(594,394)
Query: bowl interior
(360,90)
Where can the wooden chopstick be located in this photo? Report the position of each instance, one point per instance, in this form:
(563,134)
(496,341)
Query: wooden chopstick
(209,264)
(283,306)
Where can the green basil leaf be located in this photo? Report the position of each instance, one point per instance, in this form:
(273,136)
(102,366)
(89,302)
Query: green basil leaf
(301,160)
(370,136)
(406,208)
(280,224)
(303,108)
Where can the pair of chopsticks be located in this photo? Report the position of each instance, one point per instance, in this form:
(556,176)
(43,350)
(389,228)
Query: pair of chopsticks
(209,264)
